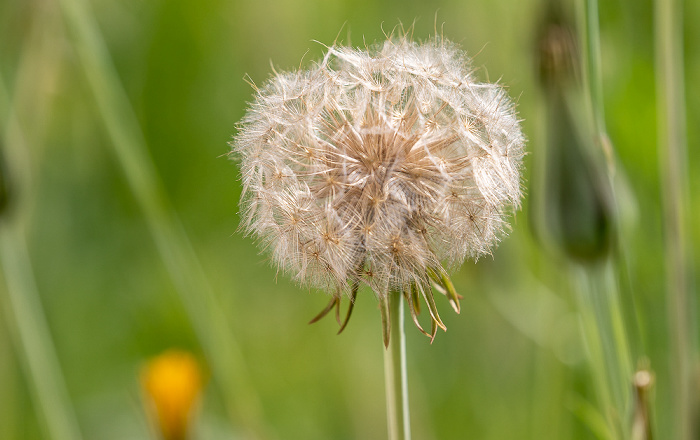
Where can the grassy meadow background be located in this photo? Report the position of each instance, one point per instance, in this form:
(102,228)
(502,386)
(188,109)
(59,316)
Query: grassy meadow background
(115,293)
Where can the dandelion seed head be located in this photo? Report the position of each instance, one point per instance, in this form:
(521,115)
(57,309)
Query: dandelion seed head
(379,166)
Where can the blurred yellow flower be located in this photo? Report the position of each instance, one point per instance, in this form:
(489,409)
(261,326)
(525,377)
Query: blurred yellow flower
(171,383)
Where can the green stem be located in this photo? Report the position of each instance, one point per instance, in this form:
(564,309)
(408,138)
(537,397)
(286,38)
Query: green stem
(612,358)
(593,72)
(203,305)
(398,419)
(33,337)
(607,343)
(593,78)
(674,184)
(26,320)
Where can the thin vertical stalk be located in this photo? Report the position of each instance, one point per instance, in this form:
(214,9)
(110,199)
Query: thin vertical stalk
(613,359)
(593,71)
(672,159)
(201,302)
(25,315)
(33,339)
(641,417)
(593,78)
(398,418)
(10,407)
(594,91)
(607,344)
(599,350)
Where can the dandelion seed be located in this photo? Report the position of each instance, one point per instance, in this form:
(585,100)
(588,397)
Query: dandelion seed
(379,167)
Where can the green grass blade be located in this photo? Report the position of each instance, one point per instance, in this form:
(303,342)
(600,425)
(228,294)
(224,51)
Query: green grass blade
(201,302)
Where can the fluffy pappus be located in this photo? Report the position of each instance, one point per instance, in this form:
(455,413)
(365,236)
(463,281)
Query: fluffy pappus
(379,167)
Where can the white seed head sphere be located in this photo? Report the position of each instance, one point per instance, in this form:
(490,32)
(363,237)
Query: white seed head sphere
(378,166)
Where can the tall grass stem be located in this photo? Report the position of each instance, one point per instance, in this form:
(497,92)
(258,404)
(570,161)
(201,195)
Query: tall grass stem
(674,185)
(606,327)
(593,70)
(607,343)
(25,319)
(201,302)
(33,338)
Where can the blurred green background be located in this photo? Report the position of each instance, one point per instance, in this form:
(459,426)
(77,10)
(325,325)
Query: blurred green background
(511,366)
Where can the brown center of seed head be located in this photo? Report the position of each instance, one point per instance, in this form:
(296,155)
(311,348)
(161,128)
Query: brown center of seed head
(393,161)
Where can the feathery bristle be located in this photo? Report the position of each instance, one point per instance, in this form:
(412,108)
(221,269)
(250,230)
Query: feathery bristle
(379,166)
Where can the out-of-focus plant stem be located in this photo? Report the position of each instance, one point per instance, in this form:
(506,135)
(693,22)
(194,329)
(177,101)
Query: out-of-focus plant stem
(612,356)
(606,340)
(25,314)
(33,338)
(201,302)
(641,417)
(593,83)
(398,419)
(674,183)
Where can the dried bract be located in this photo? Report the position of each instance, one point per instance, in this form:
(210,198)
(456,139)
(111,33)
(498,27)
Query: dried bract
(377,167)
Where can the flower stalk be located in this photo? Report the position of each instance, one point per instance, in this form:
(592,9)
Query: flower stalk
(580,212)
(20,298)
(672,150)
(380,167)
(398,417)
(201,301)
